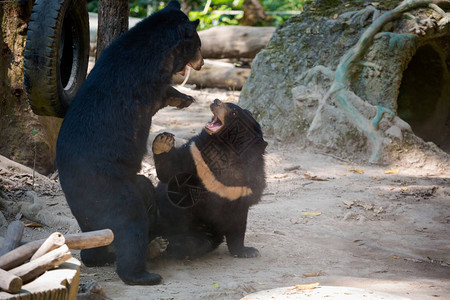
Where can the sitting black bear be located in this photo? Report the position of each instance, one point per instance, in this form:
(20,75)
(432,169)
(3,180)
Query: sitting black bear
(103,137)
(216,176)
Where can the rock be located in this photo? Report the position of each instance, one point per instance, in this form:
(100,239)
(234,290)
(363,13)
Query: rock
(395,132)
(337,78)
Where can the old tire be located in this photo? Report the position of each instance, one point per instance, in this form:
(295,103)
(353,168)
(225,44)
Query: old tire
(56,54)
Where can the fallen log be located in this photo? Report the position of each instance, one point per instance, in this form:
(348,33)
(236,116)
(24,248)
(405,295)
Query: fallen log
(9,282)
(33,269)
(234,41)
(216,74)
(55,240)
(76,241)
(13,237)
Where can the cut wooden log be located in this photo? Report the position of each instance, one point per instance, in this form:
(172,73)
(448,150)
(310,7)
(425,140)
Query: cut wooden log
(217,74)
(59,283)
(76,241)
(34,268)
(13,237)
(91,239)
(55,240)
(234,41)
(9,282)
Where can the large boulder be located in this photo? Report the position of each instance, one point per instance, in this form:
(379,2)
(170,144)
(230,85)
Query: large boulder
(357,79)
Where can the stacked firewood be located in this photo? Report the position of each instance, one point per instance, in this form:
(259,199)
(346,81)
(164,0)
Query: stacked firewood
(22,264)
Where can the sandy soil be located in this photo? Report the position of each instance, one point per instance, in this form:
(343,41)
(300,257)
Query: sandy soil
(321,219)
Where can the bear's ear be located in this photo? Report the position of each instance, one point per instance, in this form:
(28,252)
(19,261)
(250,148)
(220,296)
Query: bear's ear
(174,4)
(195,23)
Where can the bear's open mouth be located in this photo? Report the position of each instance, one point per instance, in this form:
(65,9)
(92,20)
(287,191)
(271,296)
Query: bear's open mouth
(215,125)
(219,110)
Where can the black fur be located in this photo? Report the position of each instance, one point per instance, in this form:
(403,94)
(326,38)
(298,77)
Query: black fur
(103,137)
(235,156)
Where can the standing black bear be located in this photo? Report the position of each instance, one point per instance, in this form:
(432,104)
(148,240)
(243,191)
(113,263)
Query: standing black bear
(103,137)
(208,185)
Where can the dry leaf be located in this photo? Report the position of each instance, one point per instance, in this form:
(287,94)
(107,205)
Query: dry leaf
(215,284)
(375,178)
(302,287)
(308,176)
(311,214)
(318,179)
(380,195)
(32,224)
(395,257)
(356,171)
(313,274)
(293,222)
(394,171)
(404,189)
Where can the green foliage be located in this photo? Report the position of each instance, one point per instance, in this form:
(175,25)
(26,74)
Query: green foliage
(92,6)
(138,8)
(210,19)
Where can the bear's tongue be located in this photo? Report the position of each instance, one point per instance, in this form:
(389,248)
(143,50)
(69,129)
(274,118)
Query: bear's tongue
(214,125)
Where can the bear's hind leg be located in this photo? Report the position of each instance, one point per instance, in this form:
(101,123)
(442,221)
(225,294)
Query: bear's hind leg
(191,245)
(132,232)
(97,257)
(131,255)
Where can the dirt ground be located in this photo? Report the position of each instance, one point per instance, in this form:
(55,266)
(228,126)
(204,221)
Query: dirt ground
(321,219)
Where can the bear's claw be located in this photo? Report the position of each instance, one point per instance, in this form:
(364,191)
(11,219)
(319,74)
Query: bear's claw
(156,247)
(162,143)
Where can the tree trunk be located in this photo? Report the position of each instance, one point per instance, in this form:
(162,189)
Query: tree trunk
(24,137)
(112,22)
(253,13)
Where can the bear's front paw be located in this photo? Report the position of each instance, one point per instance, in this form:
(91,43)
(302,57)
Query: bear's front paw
(162,143)
(247,252)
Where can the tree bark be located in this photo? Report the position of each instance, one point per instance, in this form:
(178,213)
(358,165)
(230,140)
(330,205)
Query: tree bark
(112,22)
(25,137)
